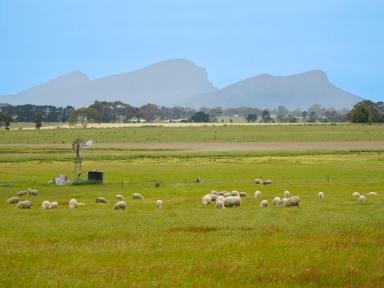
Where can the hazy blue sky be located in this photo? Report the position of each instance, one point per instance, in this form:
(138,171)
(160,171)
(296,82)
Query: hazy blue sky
(233,40)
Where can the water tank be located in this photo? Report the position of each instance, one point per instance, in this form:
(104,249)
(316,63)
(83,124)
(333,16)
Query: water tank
(96,176)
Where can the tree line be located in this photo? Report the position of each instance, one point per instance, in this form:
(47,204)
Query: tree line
(110,112)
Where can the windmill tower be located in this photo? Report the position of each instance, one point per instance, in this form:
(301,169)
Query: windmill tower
(79,146)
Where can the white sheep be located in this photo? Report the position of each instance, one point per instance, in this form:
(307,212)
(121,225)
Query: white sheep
(229,202)
(257,194)
(215,192)
(258,181)
(206,200)
(24,204)
(372,194)
(266,182)
(101,200)
(45,204)
(120,205)
(286,194)
(13,200)
(220,204)
(292,201)
(213,196)
(355,194)
(137,196)
(33,192)
(159,204)
(53,205)
(264,203)
(221,193)
(321,195)
(362,199)
(237,201)
(72,204)
(243,194)
(227,194)
(276,201)
(220,198)
(21,193)
(283,200)
(235,193)
(120,197)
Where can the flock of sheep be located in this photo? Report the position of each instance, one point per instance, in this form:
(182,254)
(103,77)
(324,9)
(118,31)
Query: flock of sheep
(222,199)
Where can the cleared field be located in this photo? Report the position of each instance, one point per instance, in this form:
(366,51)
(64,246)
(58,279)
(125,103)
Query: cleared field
(334,242)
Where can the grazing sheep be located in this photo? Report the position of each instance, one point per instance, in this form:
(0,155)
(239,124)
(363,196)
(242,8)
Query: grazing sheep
(258,181)
(24,204)
(292,201)
(221,193)
(237,200)
(257,194)
(33,192)
(137,196)
(13,200)
(355,194)
(229,202)
(120,205)
(321,195)
(215,192)
(220,198)
(227,194)
(266,182)
(101,200)
(235,193)
(120,197)
(21,193)
(283,200)
(264,203)
(286,194)
(372,194)
(206,200)
(220,204)
(159,204)
(72,204)
(45,204)
(243,194)
(53,205)
(362,199)
(276,201)
(213,196)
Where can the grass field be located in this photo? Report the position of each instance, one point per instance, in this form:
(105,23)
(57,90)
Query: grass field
(335,242)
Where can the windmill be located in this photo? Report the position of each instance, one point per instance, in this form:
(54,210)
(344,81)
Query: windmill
(79,146)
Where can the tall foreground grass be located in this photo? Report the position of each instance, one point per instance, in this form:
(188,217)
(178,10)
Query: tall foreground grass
(334,242)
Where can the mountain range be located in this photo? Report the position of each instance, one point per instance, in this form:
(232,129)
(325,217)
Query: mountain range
(179,82)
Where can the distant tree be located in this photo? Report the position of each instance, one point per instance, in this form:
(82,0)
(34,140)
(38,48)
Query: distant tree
(252,117)
(281,113)
(266,116)
(312,117)
(5,120)
(200,117)
(149,112)
(365,112)
(38,120)
(304,114)
(83,116)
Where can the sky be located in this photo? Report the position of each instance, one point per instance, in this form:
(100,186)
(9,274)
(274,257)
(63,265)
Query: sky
(233,40)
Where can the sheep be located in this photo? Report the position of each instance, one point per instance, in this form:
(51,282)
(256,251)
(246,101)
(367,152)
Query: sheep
(362,199)
(45,204)
(159,204)
(257,194)
(137,196)
(21,193)
(286,194)
(372,194)
(24,204)
(120,197)
(264,203)
(206,200)
(227,194)
(213,196)
(120,205)
(53,205)
(72,204)
(292,201)
(13,200)
(220,204)
(266,182)
(321,195)
(229,202)
(32,192)
(258,181)
(283,200)
(235,193)
(237,201)
(221,193)
(243,194)
(355,194)
(220,198)
(276,201)
(215,192)
(101,200)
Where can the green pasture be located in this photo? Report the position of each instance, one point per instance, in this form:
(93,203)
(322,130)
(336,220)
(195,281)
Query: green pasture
(335,242)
